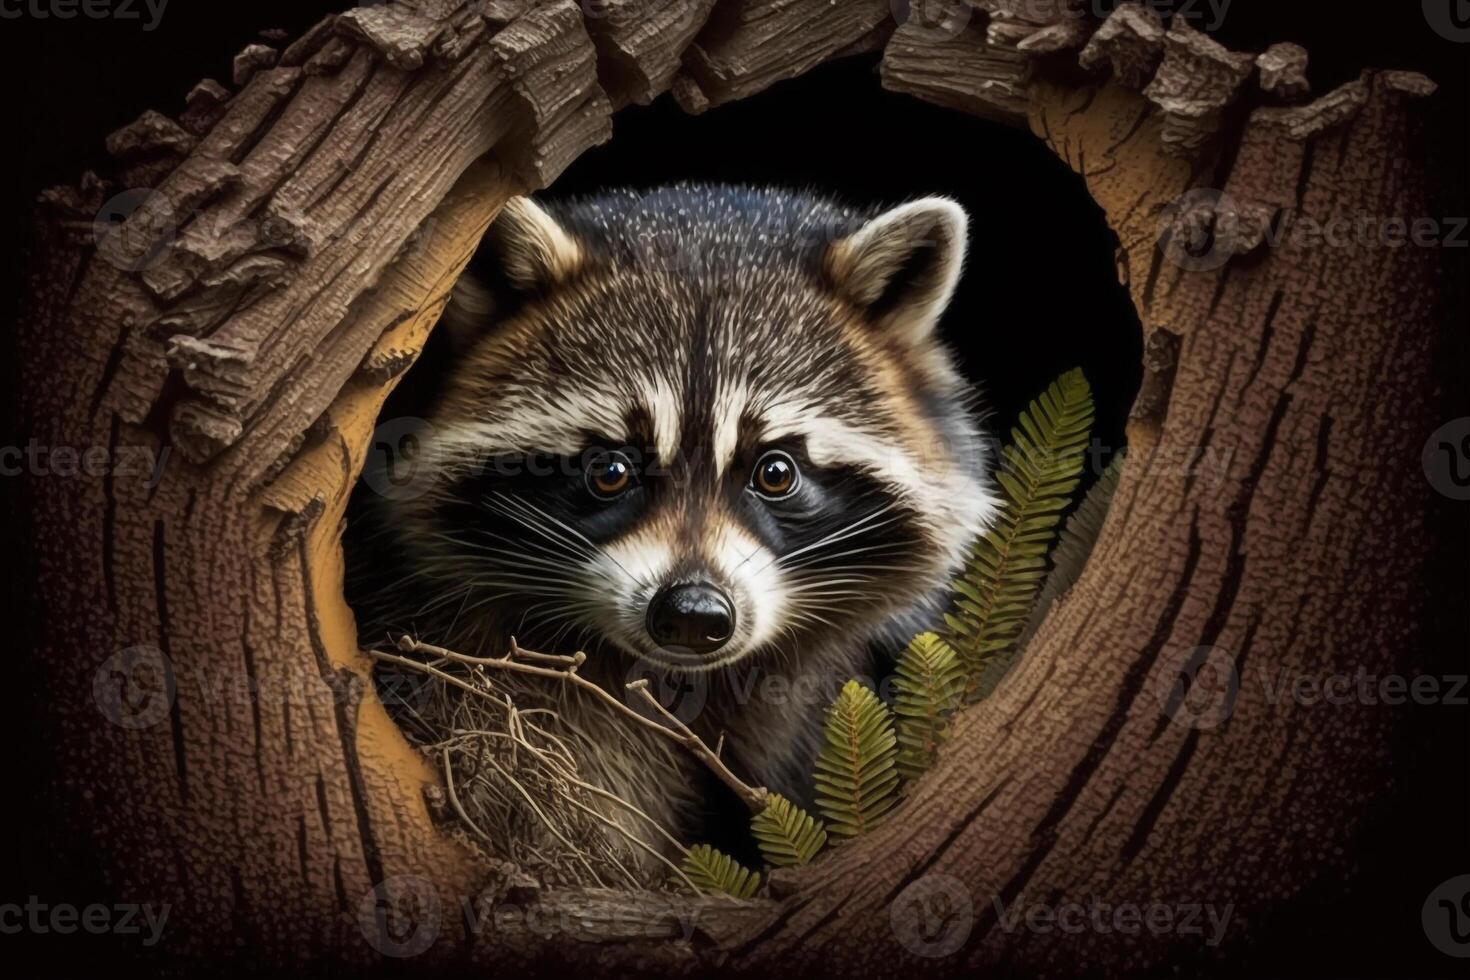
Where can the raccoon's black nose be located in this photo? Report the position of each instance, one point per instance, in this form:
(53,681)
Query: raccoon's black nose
(697,617)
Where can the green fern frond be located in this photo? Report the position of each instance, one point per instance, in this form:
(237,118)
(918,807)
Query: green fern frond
(855,774)
(1039,472)
(786,833)
(713,871)
(929,684)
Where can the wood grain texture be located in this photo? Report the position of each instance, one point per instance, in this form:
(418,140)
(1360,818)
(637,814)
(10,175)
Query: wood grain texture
(285,249)
(964,71)
(272,793)
(748,46)
(640,45)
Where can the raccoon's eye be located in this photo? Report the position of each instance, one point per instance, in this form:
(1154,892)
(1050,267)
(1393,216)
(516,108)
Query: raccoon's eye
(775,474)
(608,475)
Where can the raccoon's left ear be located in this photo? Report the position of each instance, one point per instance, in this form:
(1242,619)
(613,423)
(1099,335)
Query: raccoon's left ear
(902,266)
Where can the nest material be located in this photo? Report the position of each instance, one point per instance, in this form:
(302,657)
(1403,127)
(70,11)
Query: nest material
(512,777)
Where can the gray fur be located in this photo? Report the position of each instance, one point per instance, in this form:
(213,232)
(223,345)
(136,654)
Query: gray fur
(696,308)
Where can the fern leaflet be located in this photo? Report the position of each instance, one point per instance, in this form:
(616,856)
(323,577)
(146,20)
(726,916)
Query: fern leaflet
(929,684)
(714,871)
(1039,472)
(855,774)
(787,834)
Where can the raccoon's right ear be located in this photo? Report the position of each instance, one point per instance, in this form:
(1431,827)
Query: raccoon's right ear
(901,267)
(533,250)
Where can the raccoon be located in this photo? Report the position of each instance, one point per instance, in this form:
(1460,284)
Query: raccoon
(704,434)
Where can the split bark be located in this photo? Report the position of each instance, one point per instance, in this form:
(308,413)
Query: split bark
(214,739)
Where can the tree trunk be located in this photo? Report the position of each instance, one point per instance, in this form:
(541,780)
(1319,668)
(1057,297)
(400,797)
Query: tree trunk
(214,737)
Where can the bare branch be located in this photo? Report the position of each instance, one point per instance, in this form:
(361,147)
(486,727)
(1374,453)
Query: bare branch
(754,797)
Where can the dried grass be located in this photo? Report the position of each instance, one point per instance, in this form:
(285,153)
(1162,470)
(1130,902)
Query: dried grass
(512,779)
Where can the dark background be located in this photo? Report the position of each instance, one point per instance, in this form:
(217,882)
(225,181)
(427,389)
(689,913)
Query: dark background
(66,84)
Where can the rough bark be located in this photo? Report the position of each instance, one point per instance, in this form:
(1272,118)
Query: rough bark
(292,250)
(748,46)
(1090,774)
(243,325)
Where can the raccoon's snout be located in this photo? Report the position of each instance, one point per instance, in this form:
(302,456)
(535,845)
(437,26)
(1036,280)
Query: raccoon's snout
(697,617)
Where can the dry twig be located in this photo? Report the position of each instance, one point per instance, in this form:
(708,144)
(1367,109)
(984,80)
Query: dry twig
(564,668)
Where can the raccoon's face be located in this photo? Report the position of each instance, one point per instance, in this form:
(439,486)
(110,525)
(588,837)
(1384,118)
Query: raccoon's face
(744,446)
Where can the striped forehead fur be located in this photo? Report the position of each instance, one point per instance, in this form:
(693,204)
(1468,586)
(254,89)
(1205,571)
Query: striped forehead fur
(705,311)
(791,366)
(745,310)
